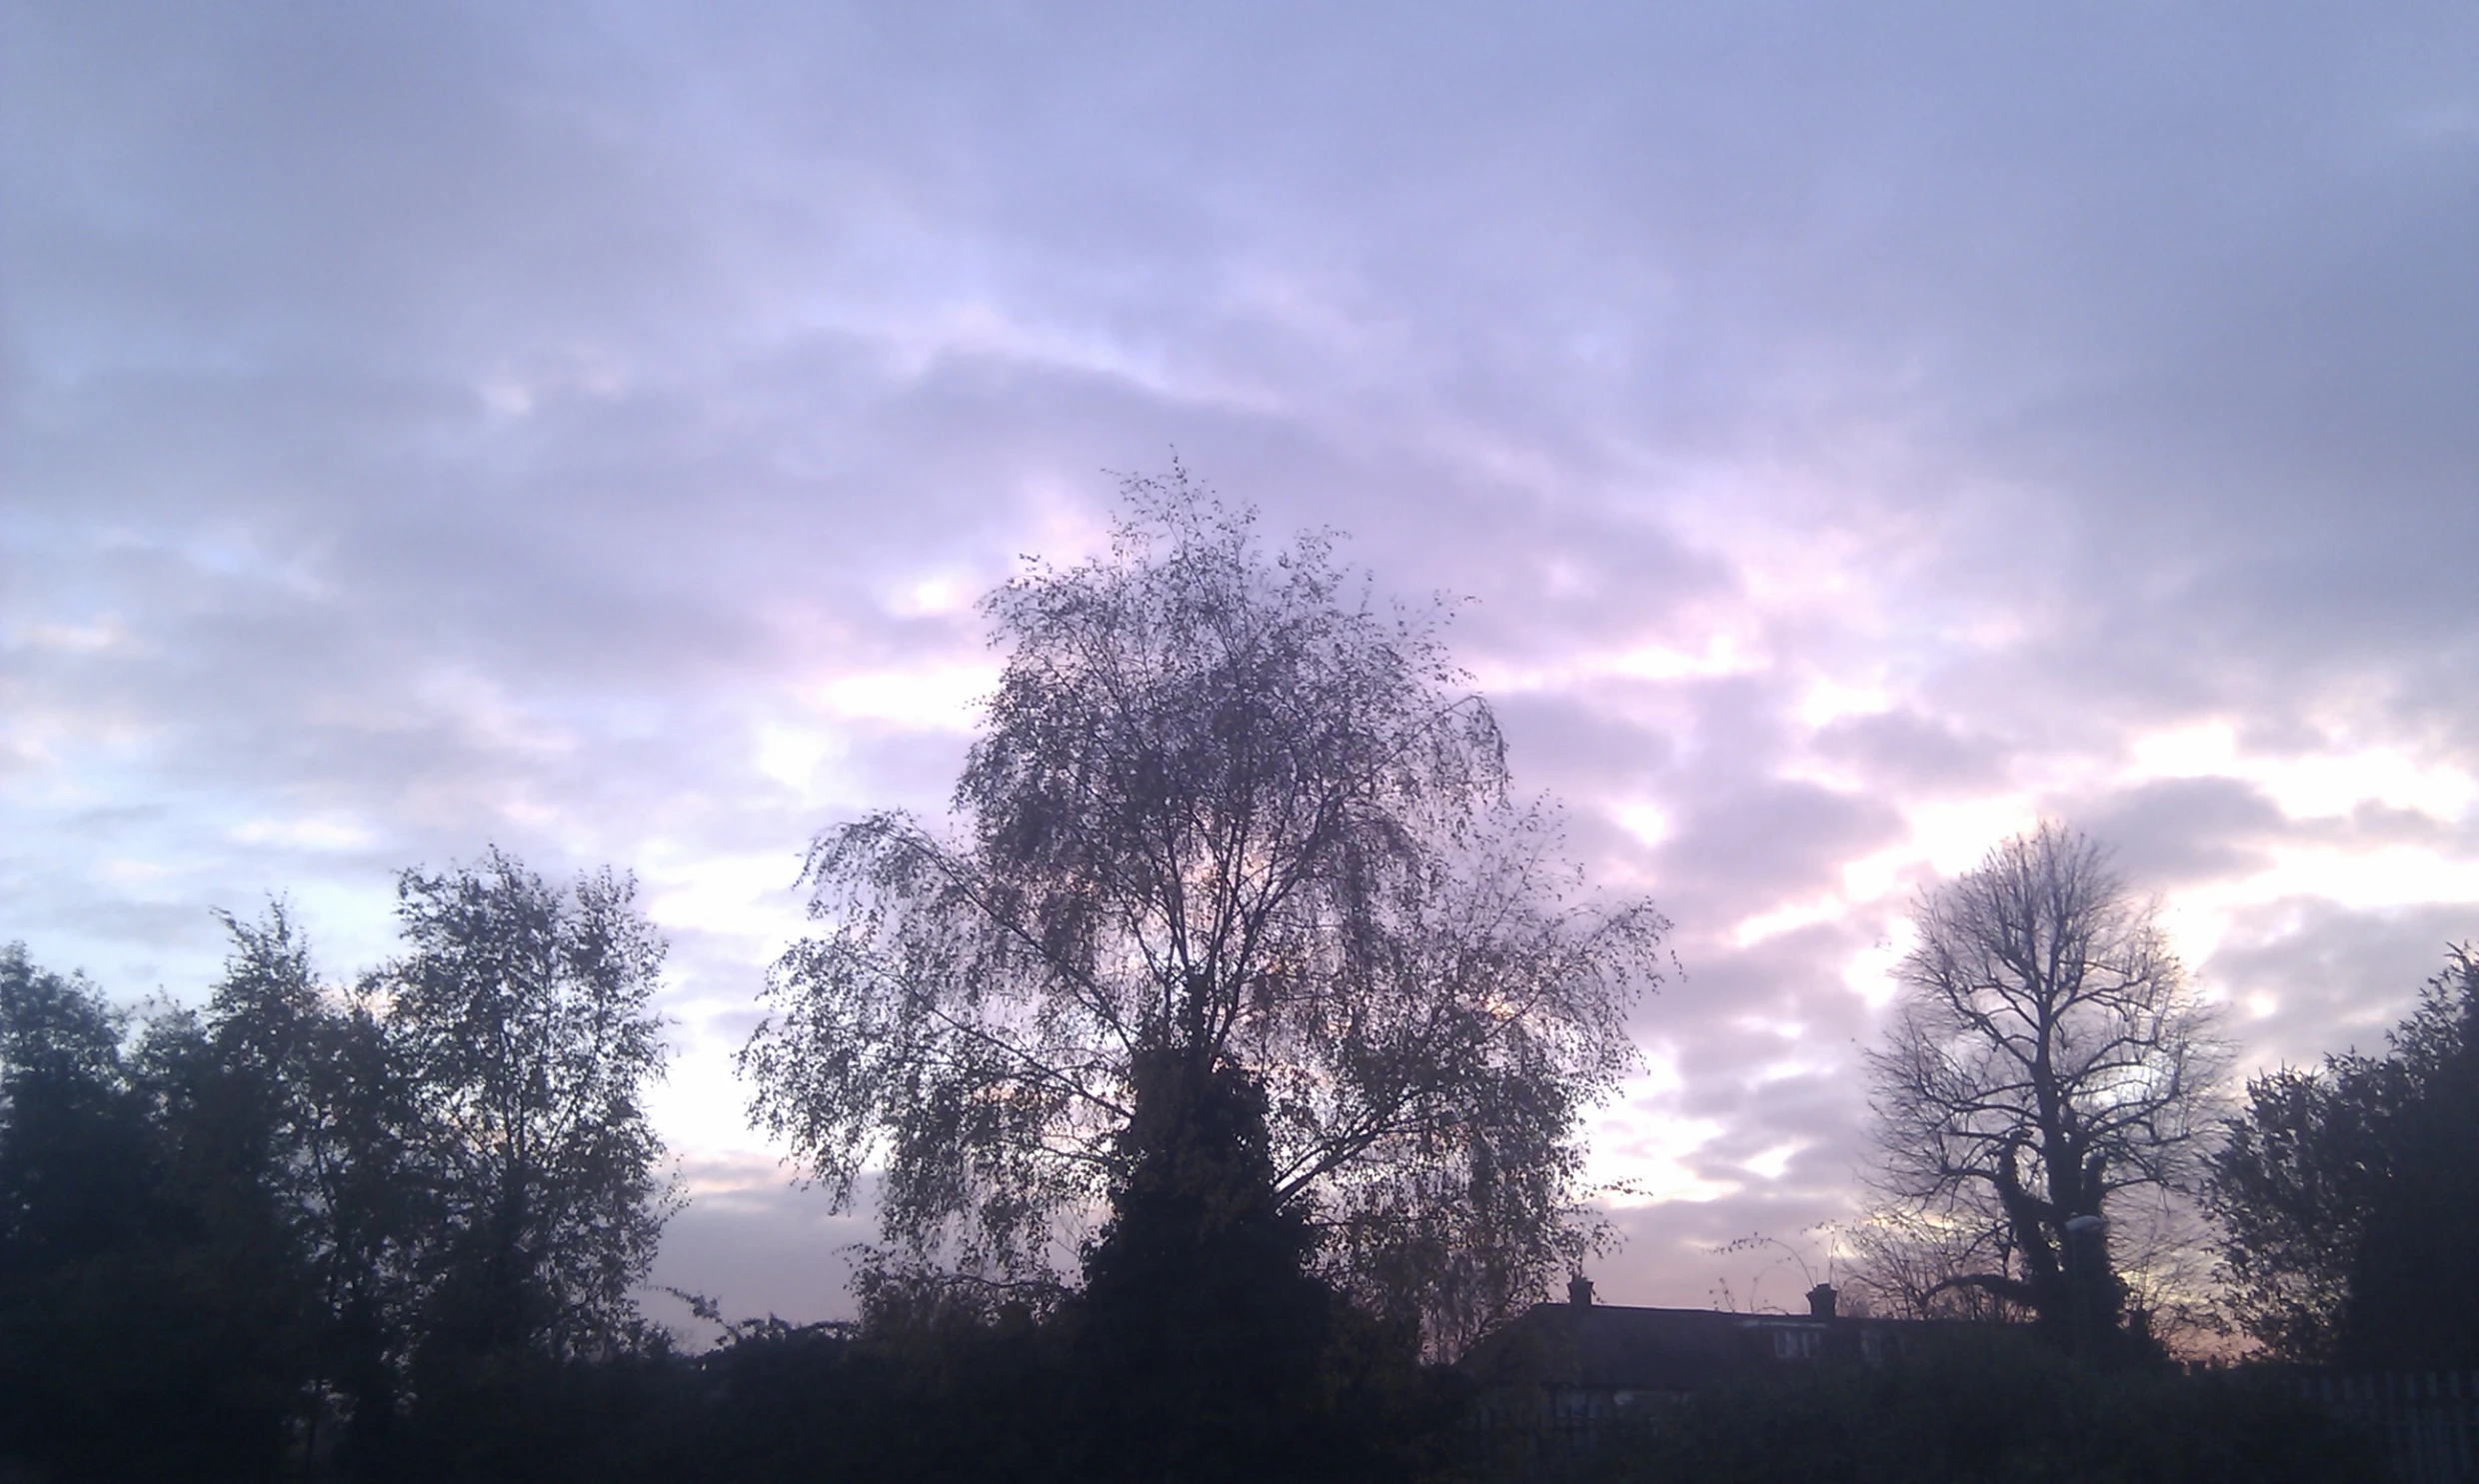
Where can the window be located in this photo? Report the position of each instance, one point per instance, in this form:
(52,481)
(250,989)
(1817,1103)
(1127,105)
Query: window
(1798,1344)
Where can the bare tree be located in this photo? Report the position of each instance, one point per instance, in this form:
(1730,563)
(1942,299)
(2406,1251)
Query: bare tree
(2047,1055)
(1220,811)
(1903,1258)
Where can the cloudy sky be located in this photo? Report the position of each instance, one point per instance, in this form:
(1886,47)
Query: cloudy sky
(1863,430)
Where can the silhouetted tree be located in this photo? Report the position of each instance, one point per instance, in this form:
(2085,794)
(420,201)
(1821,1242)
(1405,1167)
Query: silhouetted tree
(1201,1337)
(2350,1192)
(300,1083)
(1903,1261)
(2046,1055)
(1221,808)
(521,1018)
(78,1163)
(150,1317)
(2414,1290)
(273,1213)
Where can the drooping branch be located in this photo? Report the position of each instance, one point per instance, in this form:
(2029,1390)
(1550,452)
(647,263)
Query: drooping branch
(1216,808)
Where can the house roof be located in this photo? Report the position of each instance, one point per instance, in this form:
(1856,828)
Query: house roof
(1614,1346)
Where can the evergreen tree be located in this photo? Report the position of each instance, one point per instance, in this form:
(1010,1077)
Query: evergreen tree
(2414,1289)
(1201,1334)
(2350,1194)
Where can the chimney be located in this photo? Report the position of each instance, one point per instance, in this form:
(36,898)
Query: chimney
(1579,1291)
(1821,1301)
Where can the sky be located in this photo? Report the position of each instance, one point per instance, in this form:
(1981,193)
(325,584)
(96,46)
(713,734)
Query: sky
(1859,431)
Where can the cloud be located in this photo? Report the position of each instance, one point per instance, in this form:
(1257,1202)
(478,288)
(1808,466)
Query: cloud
(2173,830)
(1859,430)
(2309,978)
(754,1246)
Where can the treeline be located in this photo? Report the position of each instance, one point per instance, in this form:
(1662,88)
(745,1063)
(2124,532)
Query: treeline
(313,1224)
(393,1231)
(1985,1408)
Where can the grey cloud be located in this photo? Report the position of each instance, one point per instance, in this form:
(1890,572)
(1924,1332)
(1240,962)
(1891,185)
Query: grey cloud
(1914,753)
(2178,831)
(1787,837)
(757,1247)
(2338,978)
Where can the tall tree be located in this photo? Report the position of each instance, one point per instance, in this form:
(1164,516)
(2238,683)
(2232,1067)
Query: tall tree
(1224,810)
(1200,1335)
(2045,1056)
(77,1155)
(2348,1193)
(149,1313)
(298,1082)
(522,1015)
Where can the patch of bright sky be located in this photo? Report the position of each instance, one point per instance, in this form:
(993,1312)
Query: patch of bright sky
(936,596)
(1947,837)
(1869,972)
(485,710)
(314,833)
(1724,653)
(732,910)
(2311,784)
(1773,1163)
(1790,1068)
(351,927)
(235,555)
(2198,918)
(134,876)
(917,338)
(735,1180)
(747,895)
(793,755)
(1638,1146)
(1647,821)
(505,399)
(103,633)
(931,697)
(1829,701)
(1955,834)
(1787,918)
(73,761)
(1638,1158)
(701,1104)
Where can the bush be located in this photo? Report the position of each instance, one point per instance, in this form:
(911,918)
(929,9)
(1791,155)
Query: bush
(1980,1410)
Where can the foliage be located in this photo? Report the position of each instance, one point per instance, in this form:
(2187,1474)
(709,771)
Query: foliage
(1979,1410)
(2046,1055)
(2348,1193)
(1197,1331)
(292,1089)
(149,1323)
(522,1017)
(1220,808)
(346,1225)
(1202,1348)
(2291,1188)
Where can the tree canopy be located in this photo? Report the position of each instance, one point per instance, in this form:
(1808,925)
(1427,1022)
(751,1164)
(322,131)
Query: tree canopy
(1222,805)
(522,1014)
(307,1216)
(2349,1191)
